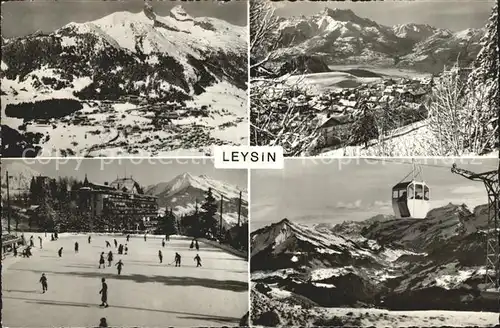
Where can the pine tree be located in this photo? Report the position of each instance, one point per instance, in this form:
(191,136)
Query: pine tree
(208,222)
(364,128)
(483,80)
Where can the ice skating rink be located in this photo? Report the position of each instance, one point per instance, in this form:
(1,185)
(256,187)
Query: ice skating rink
(146,294)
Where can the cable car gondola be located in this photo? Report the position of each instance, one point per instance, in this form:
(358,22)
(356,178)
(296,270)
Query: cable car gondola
(411,199)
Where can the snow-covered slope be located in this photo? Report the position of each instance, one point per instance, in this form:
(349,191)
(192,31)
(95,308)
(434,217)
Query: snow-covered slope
(183,192)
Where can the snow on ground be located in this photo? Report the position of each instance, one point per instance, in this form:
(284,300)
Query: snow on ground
(322,274)
(146,294)
(387,71)
(384,318)
(413,140)
(282,273)
(102,129)
(279,293)
(392,255)
(318,83)
(229,105)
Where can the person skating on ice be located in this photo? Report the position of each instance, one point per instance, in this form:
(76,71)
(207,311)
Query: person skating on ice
(32,243)
(104,293)
(76,247)
(103,323)
(110,258)
(160,256)
(197,258)
(60,251)
(163,242)
(101,261)
(108,244)
(196,244)
(43,281)
(89,239)
(144,237)
(40,240)
(177,259)
(192,244)
(119,266)
(126,249)
(128,237)
(116,243)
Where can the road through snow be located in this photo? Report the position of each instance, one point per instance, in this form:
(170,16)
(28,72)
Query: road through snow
(146,294)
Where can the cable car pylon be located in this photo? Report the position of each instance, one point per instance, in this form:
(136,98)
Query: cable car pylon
(490,180)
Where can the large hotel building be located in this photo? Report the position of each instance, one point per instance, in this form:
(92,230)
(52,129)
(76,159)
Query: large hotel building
(121,201)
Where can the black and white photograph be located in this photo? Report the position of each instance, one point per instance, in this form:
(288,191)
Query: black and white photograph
(401,242)
(123,78)
(373,78)
(123,243)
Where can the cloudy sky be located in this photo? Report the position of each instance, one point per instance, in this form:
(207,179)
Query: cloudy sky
(144,171)
(451,14)
(25,17)
(309,191)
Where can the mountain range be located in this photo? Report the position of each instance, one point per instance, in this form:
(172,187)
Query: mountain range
(339,36)
(124,53)
(436,263)
(185,191)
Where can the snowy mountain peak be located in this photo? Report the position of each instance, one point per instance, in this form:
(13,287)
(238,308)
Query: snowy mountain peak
(20,176)
(340,14)
(180,14)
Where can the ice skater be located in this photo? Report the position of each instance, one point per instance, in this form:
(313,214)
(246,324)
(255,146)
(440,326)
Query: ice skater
(128,237)
(43,281)
(144,237)
(89,239)
(110,258)
(192,244)
(119,266)
(76,247)
(116,243)
(104,293)
(60,251)
(197,258)
(32,243)
(197,246)
(120,249)
(160,256)
(101,261)
(177,259)
(52,237)
(103,323)
(163,242)
(126,249)
(40,240)
(108,244)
